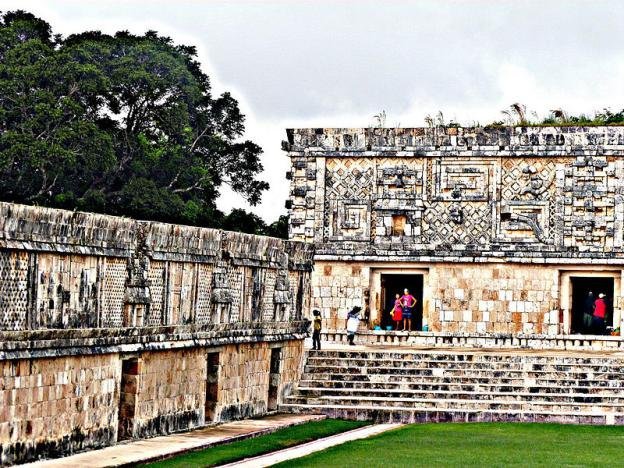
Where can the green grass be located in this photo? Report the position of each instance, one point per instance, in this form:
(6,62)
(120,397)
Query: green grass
(278,440)
(484,444)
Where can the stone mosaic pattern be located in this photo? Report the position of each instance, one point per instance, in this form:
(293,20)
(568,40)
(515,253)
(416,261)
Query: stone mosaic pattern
(64,270)
(542,192)
(106,325)
(463,199)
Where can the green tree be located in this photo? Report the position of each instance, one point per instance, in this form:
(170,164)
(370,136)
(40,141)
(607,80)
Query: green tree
(119,124)
(278,228)
(243,221)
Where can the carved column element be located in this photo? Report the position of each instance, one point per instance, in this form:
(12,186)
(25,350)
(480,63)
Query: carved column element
(282,297)
(137,298)
(222,296)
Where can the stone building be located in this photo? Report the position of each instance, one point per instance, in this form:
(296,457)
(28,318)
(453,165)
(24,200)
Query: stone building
(494,230)
(112,328)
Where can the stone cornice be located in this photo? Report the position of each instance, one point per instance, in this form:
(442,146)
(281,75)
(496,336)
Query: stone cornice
(466,142)
(52,342)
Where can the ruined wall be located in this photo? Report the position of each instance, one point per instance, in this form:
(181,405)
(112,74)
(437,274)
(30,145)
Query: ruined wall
(171,390)
(455,200)
(50,407)
(108,325)
(457,298)
(245,375)
(453,193)
(60,269)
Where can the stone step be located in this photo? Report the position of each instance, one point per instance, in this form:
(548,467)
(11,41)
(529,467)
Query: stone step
(596,398)
(446,379)
(470,357)
(497,365)
(416,386)
(440,404)
(458,386)
(380,413)
(442,372)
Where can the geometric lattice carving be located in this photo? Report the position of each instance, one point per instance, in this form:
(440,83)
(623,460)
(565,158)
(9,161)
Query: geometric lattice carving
(13,293)
(589,190)
(349,178)
(349,187)
(440,224)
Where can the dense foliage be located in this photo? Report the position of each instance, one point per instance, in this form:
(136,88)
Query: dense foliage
(121,124)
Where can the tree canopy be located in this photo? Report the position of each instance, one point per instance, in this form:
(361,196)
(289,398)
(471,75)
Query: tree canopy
(122,124)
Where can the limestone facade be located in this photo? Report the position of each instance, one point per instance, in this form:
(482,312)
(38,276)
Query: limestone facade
(112,328)
(501,230)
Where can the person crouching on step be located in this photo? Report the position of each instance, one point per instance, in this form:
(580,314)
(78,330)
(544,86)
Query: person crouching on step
(316,330)
(353,320)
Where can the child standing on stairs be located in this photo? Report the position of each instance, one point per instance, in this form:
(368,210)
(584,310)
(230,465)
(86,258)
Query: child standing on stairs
(352,323)
(316,330)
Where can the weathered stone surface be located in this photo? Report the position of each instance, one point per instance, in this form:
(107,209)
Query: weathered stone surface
(452,204)
(112,328)
(462,386)
(60,269)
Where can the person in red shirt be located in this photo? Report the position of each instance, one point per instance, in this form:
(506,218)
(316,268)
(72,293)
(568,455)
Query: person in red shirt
(600,311)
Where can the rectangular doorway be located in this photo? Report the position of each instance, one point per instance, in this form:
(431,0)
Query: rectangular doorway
(274,379)
(212,387)
(128,390)
(392,284)
(582,302)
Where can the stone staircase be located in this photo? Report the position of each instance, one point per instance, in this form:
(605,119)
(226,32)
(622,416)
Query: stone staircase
(461,386)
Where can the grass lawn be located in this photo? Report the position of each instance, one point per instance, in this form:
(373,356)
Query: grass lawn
(278,440)
(484,444)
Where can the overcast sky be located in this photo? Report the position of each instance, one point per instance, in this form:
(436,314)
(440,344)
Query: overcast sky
(338,63)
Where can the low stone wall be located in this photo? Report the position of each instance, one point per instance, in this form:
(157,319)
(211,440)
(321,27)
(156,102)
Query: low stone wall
(485,341)
(112,328)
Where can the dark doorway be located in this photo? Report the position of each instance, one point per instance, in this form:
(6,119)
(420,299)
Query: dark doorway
(581,286)
(128,390)
(212,387)
(392,284)
(274,379)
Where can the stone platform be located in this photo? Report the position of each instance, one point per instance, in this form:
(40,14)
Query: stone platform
(476,340)
(392,384)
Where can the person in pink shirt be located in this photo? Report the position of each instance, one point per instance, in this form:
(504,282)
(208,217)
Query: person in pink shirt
(408,302)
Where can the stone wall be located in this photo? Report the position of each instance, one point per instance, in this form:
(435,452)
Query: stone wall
(170,392)
(60,269)
(50,407)
(459,298)
(109,328)
(245,376)
(543,193)
(493,299)
(453,204)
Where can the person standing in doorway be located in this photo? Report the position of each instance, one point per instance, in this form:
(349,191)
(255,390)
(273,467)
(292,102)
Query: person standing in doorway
(316,330)
(352,323)
(397,311)
(600,312)
(408,302)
